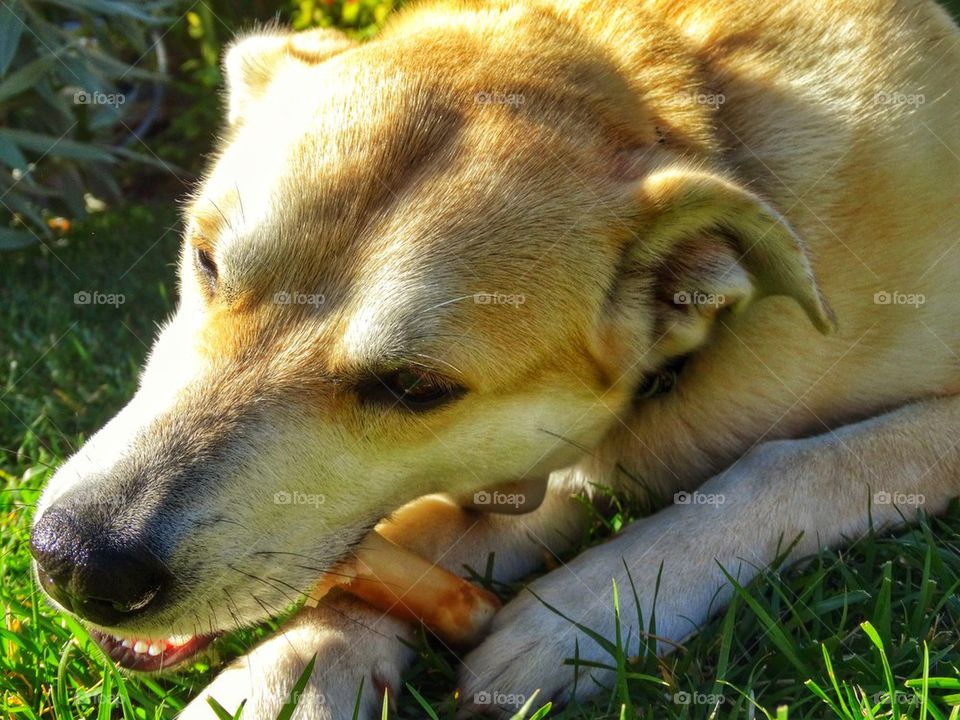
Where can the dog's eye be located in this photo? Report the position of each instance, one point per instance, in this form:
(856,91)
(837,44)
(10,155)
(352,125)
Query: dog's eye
(206,266)
(414,389)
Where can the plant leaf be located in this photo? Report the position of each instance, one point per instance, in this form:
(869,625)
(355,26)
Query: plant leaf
(431,713)
(25,77)
(287,712)
(114,9)
(11,239)
(219,710)
(57,147)
(11,28)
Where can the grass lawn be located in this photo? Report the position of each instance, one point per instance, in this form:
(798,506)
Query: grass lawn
(67,367)
(872,631)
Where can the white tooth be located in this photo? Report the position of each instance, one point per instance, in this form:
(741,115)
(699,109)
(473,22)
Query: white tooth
(179,639)
(140,646)
(155,649)
(127,644)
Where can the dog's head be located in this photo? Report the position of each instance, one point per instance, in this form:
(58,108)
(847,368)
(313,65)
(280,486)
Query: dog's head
(437,262)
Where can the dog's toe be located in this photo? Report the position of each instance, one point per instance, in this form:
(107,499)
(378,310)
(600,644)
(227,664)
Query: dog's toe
(524,655)
(349,653)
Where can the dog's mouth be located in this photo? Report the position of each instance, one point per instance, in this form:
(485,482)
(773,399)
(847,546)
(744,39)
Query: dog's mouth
(150,654)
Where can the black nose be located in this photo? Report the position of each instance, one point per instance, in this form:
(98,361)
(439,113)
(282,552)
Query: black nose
(92,573)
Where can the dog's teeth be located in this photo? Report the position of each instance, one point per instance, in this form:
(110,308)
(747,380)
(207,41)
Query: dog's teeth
(154,649)
(179,639)
(140,647)
(126,644)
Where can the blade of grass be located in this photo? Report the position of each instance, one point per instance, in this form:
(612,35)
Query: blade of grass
(772,628)
(874,636)
(621,656)
(221,712)
(106,698)
(833,681)
(288,707)
(431,713)
(356,705)
(521,714)
(925,688)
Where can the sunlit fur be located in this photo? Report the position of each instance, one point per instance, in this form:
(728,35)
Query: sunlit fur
(569,154)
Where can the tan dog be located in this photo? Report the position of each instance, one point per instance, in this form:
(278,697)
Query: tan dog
(456,257)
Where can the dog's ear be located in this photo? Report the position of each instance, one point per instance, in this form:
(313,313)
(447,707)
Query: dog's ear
(703,244)
(251,62)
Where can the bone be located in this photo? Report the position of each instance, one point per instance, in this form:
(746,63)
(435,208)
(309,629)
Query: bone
(407,586)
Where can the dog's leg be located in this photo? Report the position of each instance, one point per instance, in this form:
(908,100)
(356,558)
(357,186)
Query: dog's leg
(354,642)
(351,642)
(821,487)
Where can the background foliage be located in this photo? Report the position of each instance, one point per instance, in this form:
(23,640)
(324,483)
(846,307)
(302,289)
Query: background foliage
(103,100)
(108,99)
(800,638)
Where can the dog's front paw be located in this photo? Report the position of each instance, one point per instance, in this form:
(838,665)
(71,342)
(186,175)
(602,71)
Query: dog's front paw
(352,644)
(529,643)
(536,633)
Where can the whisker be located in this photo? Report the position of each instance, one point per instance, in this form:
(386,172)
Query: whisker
(220,519)
(240,202)
(282,631)
(272,587)
(236,618)
(213,617)
(319,571)
(327,605)
(288,585)
(567,440)
(229,225)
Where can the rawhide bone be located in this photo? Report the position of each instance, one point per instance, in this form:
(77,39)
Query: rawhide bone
(407,586)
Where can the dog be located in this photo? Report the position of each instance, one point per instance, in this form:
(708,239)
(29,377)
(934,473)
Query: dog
(683,250)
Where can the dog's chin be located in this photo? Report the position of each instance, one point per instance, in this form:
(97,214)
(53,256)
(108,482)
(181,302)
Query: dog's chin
(150,655)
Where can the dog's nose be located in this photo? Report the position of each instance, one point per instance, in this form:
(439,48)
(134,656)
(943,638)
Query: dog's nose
(90,574)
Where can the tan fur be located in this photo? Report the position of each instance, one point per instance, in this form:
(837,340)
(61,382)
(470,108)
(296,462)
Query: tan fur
(784,161)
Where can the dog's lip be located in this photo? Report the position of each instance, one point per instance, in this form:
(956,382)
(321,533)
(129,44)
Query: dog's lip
(150,655)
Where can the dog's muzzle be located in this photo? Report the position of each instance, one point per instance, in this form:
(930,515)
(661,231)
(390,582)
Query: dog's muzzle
(90,573)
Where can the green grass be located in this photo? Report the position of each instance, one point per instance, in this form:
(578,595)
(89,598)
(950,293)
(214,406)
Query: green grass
(840,637)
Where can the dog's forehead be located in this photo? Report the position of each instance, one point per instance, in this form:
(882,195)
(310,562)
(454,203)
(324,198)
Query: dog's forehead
(319,155)
(335,181)
(405,209)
